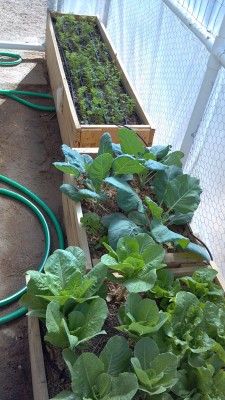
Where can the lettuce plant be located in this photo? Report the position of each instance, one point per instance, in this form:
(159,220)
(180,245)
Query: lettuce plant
(104,377)
(64,278)
(136,260)
(82,323)
(140,317)
(156,372)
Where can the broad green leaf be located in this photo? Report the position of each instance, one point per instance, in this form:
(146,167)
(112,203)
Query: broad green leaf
(162,234)
(174,158)
(103,384)
(162,179)
(130,143)
(61,265)
(183,194)
(126,164)
(107,219)
(117,149)
(54,323)
(80,257)
(200,250)
(100,168)
(160,151)
(155,210)
(144,240)
(155,165)
(69,357)
(138,218)
(126,246)
(123,387)
(142,282)
(85,374)
(105,144)
(121,228)
(94,318)
(145,350)
(77,195)
(67,168)
(74,158)
(153,255)
(128,199)
(98,273)
(180,219)
(116,355)
(141,329)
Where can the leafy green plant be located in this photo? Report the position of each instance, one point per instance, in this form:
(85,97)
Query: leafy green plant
(156,372)
(140,317)
(103,100)
(91,222)
(104,377)
(136,260)
(72,329)
(65,278)
(91,172)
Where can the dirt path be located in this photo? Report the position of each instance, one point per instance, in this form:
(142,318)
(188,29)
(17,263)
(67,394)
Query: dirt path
(30,143)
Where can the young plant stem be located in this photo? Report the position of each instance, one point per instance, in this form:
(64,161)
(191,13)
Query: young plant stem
(119,298)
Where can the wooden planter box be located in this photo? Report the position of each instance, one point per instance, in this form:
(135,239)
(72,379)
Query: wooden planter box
(72,132)
(180,263)
(184,263)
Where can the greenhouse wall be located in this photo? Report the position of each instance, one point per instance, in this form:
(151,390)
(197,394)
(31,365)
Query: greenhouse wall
(167,63)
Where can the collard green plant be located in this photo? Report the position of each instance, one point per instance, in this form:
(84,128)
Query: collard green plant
(104,377)
(136,260)
(140,317)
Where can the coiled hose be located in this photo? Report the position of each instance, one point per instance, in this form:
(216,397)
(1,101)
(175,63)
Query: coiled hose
(15,296)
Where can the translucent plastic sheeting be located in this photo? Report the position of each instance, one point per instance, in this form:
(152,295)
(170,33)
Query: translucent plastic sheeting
(207,162)
(165,61)
(208,12)
(83,7)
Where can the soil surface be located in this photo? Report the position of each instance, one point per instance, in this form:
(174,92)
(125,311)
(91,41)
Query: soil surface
(30,143)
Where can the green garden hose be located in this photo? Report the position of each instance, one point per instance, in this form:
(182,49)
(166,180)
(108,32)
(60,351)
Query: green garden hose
(19,293)
(15,94)
(12,94)
(16,59)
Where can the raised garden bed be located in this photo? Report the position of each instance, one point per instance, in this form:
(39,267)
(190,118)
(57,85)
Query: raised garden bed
(168,319)
(40,384)
(74,132)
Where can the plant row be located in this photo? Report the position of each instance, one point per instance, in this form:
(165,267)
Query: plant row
(152,194)
(99,95)
(173,342)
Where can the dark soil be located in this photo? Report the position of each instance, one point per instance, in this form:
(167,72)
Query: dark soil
(132,119)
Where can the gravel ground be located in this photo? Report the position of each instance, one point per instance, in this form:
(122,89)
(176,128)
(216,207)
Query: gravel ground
(23,20)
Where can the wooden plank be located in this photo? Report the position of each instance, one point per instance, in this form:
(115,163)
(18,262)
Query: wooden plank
(72,133)
(76,234)
(219,279)
(66,114)
(183,258)
(90,134)
(39,382)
